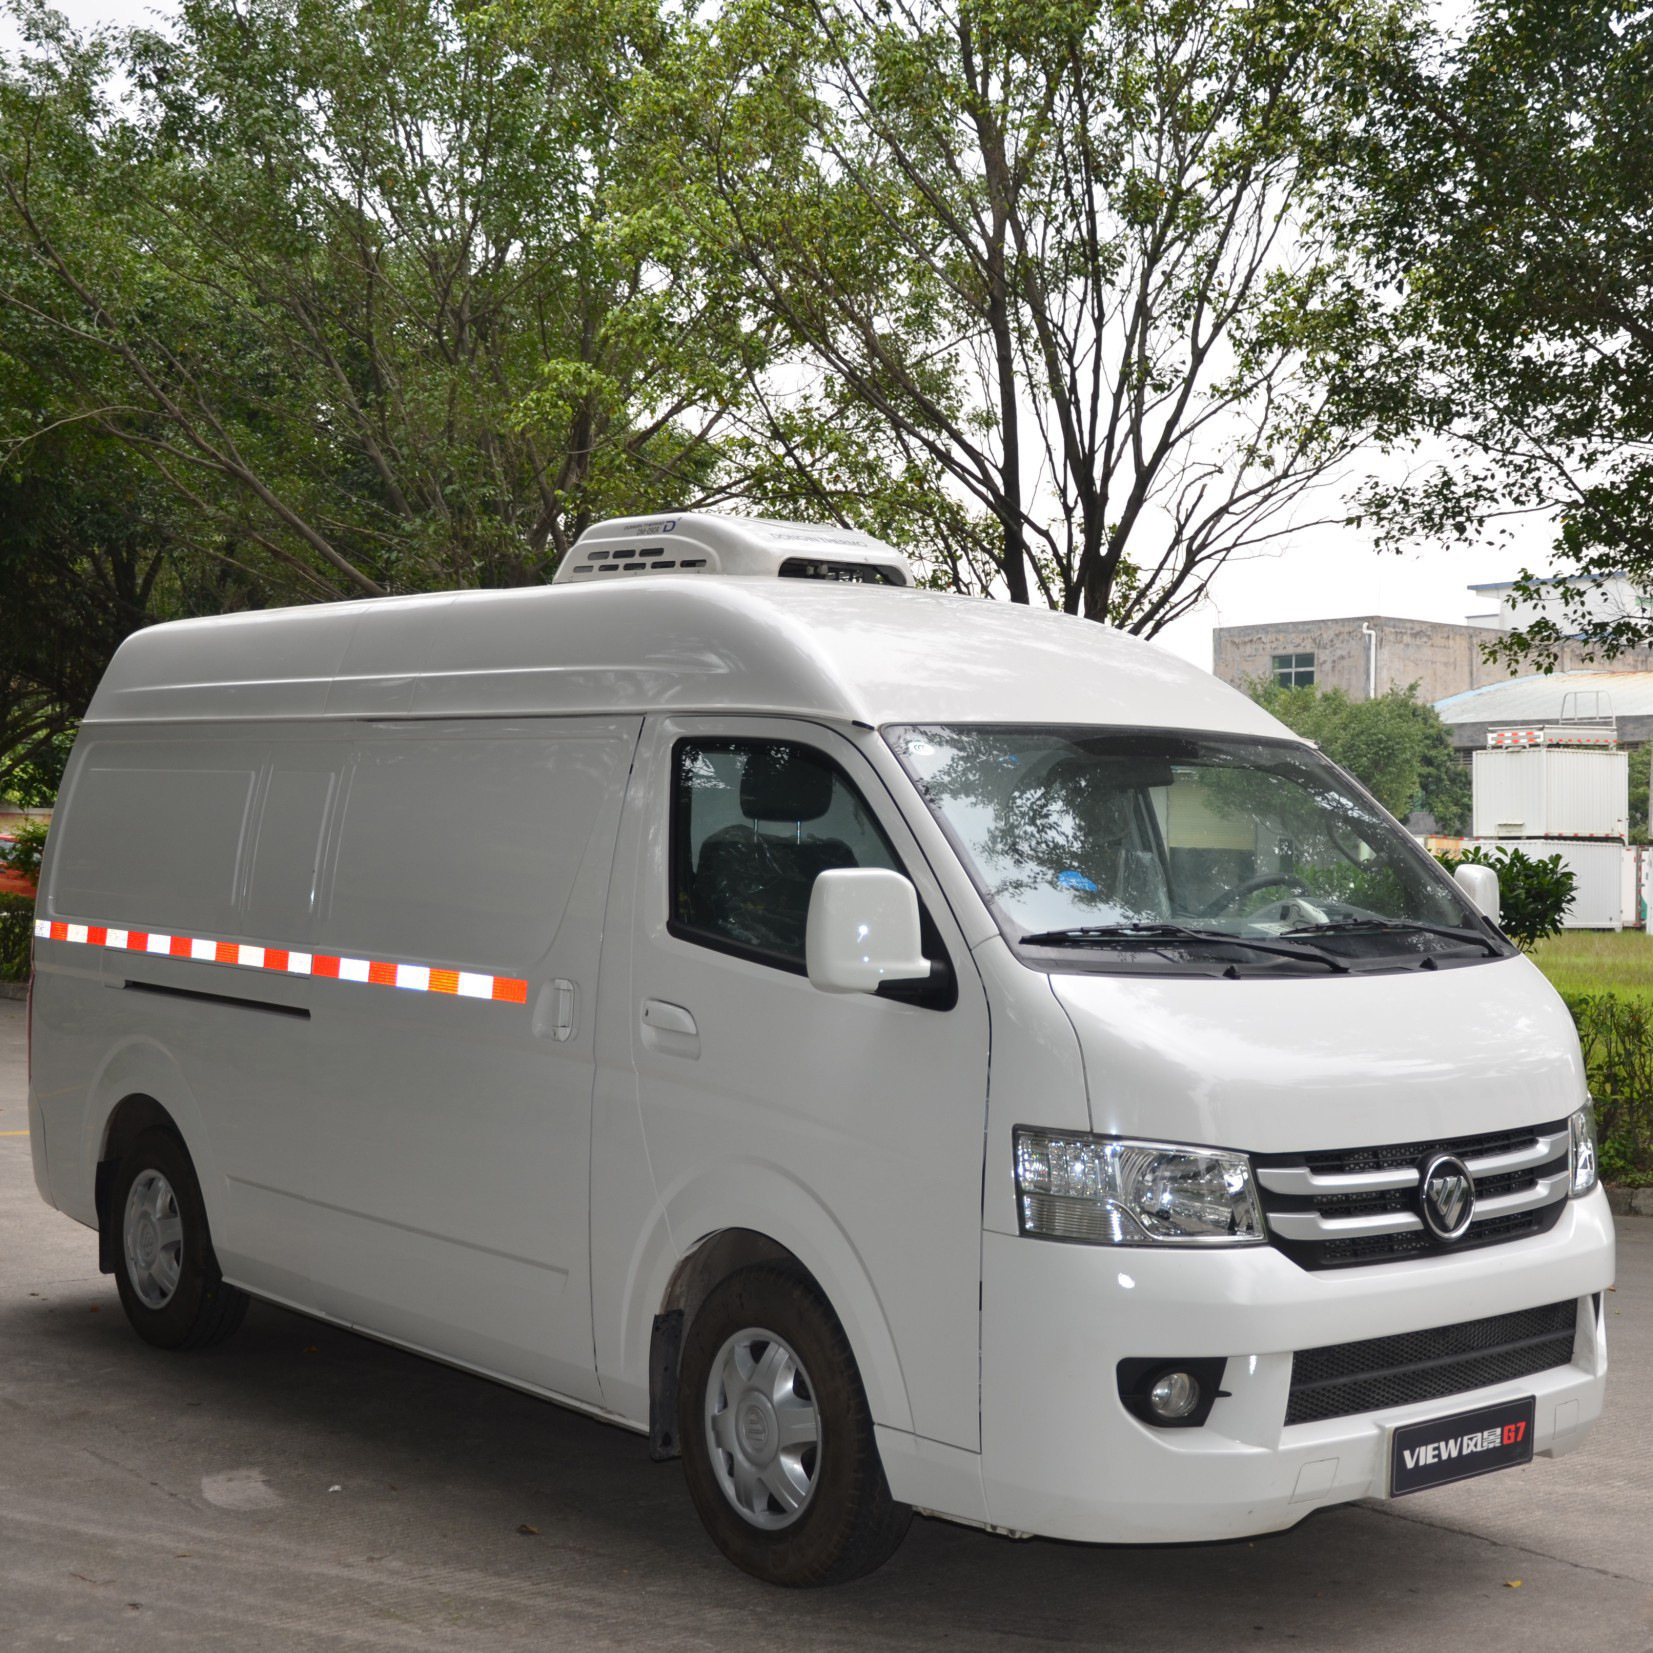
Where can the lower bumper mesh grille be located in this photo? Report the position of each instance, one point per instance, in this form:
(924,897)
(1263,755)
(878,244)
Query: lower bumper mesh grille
(1343,1379)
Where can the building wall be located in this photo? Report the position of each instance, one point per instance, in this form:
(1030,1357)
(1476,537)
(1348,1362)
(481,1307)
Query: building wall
(1441,659)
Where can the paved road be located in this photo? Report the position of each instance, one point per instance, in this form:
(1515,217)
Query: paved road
(301,1488)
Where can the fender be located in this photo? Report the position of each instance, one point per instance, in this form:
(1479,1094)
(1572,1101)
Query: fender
(139,1065)
(760,1196)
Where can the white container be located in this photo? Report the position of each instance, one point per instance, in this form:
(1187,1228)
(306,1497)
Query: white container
(1598,898)
(1551,792)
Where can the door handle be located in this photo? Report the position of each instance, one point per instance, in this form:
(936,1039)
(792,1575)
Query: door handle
(668,1018)
(554,1010)
(670,1029)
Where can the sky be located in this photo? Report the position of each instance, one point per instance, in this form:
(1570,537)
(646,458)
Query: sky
(1323,573)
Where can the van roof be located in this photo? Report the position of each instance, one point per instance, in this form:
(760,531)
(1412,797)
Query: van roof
(679,643)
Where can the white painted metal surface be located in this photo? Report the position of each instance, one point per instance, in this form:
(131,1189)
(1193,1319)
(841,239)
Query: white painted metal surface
(1551,792)
(513,1183)
(672,643)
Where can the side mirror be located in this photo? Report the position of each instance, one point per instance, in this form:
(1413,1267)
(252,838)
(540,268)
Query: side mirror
(1480,884)
(863,931)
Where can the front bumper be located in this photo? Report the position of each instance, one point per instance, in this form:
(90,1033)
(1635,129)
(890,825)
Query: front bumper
(1061,1457)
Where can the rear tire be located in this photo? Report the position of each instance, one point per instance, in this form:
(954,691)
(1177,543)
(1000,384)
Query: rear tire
(168,1278)
(778,1446)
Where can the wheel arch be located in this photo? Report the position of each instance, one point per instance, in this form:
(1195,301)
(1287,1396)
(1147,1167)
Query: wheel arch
(131,1116)
(139,1087)
(756,1214)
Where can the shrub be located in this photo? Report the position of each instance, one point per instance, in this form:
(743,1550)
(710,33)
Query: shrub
(23,854)
(1617,1038)
(1533,894)
(16,936)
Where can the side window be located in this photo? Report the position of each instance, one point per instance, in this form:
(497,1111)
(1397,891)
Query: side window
(753,824)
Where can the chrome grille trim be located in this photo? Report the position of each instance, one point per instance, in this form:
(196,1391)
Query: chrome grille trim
(1297,1179)
(1310,1225)
(1543,1192)
(1334,1208)
(1521,1159)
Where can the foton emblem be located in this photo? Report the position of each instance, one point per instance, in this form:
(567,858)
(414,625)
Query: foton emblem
(1448,1199)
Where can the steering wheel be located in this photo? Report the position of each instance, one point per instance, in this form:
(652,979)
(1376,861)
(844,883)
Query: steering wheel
(1263,881)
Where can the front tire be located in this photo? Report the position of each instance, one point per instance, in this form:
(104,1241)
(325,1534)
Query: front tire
(168,1278)
(777,1439)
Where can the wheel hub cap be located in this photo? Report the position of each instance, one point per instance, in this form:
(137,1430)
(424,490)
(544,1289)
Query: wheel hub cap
(152,1236)
(763,1429)
(757,1429)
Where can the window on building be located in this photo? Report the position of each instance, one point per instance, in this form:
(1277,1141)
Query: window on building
(1292,671)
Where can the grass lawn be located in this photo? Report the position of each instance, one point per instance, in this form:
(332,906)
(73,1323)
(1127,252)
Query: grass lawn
(1598,961)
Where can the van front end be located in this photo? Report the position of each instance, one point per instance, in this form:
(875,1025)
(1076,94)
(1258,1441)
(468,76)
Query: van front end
(1309,1376)
(1324,1240)
(1309,1211)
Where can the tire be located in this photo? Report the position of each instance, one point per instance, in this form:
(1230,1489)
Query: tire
(165,1270)
(778,1448)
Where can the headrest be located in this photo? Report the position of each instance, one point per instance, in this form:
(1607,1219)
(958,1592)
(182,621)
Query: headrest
(780,783)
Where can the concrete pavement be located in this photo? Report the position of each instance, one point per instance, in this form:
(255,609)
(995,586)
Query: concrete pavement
(303,1488)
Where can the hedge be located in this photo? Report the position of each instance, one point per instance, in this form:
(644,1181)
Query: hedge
(1617,1036)
(16,936)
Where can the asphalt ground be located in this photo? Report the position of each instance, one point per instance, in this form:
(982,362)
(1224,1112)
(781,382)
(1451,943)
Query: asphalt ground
(303,1488)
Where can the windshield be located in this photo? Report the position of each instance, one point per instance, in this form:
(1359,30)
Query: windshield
(1159,847)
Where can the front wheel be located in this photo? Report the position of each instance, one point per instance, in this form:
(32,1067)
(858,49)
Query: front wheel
(777,1439)
(165,1269)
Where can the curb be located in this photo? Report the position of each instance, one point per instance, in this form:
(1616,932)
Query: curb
(14,990)
(1630,1202)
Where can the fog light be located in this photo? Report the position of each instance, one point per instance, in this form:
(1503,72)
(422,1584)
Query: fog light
(1174,1395)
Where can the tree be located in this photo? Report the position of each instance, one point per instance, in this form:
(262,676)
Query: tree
(1395,745)
(381,294)
(1055,259)
(1505,225)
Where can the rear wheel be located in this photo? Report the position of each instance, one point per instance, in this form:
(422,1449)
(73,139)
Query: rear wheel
(777,1439)
(165,1271)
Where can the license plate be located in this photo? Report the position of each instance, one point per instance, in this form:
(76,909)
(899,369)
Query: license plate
(1443,1450)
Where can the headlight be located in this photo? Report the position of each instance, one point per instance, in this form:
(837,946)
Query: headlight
(1107,1191)
(1581,1151)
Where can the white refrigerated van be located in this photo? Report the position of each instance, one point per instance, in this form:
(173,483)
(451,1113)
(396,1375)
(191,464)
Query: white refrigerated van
(898,1051)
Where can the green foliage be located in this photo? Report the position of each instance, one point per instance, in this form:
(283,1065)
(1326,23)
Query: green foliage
(1640,757)
(30,778)
(16,937)
(27,846)
(301,302)
(1534,892)
(1395,745)
(1504,220)
(1616,1035)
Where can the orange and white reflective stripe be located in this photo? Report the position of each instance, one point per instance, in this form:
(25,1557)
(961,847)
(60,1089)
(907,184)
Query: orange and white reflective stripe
(283,961)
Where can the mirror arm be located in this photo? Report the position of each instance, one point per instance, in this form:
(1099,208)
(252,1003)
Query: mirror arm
(936,991)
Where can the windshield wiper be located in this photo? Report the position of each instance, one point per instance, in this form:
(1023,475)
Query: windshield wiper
(1082,935)
(1355,926)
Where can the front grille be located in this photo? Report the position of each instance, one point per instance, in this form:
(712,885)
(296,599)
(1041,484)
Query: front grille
(1346,1161)
(1349,1207)
(1343,1379)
